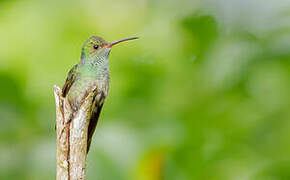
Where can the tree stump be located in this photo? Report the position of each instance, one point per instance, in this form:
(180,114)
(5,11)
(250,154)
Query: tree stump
(72,132)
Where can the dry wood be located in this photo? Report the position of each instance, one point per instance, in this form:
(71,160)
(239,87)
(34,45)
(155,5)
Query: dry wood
(72,131)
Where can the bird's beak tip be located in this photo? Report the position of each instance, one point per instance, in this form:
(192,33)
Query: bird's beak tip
(119,41)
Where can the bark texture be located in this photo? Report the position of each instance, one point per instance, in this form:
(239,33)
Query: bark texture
(72,132)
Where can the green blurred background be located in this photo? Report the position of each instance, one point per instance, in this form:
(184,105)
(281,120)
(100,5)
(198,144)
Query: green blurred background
(203,95)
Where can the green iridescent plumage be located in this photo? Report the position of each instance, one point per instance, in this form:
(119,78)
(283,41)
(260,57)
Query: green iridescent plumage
(91,73)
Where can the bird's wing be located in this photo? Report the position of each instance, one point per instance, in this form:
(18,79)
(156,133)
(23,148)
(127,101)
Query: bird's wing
(94,120)
(69,80)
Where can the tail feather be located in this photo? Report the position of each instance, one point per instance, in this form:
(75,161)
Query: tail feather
(93,123)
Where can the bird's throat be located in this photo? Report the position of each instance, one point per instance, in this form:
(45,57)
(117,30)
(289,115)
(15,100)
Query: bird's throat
(96,67)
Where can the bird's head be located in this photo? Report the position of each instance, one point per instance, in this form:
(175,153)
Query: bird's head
(96,46)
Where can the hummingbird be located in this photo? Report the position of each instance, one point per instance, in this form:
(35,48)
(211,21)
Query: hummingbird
(91,74)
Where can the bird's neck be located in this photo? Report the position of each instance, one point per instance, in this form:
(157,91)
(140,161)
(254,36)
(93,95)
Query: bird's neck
(97,66)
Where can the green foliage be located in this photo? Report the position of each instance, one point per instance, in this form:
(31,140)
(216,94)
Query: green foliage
(203,94)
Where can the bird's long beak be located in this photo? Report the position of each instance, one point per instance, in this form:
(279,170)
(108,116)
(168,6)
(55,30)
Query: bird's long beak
(117,42)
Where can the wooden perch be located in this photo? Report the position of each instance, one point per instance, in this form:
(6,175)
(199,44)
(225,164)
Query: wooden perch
(72,132)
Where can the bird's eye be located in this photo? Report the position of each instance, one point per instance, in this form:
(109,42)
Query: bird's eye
(96,46)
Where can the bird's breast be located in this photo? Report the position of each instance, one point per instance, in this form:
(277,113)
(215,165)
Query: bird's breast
(84,84)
